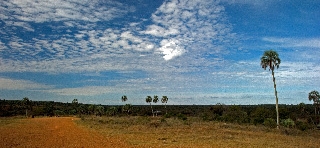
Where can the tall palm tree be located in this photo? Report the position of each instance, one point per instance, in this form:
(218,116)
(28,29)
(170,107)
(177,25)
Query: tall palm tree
(149,100)
(155,100)
(271,59)
(315,97)
(165,99)
(124,98)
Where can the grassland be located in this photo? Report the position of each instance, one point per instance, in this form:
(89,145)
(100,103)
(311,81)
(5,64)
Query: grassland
(143,131)
(172,132)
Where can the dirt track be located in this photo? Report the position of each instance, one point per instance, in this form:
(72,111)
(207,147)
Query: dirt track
(53,132)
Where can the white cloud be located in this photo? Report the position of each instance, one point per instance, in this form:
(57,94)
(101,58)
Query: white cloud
(11,84)
(171,49)
(294,42)
(257,3)
(82,91)
(61,10)
(197,25)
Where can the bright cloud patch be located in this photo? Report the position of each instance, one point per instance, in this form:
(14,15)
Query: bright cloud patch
(171,49)
(11,84)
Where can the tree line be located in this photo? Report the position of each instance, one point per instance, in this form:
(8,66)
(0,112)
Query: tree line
(270,59)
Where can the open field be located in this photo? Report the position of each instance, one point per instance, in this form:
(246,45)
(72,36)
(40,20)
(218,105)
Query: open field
(91,131)
(171,132)
(50,132)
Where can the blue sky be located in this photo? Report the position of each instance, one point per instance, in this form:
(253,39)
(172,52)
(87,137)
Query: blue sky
(194,52)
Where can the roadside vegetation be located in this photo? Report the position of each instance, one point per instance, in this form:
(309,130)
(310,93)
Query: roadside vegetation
(301,116)
(148,131)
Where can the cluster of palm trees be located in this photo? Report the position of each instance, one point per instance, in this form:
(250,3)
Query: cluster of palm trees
(155,99)
(127,107)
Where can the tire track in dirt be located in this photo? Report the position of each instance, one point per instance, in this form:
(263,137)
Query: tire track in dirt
(53,132)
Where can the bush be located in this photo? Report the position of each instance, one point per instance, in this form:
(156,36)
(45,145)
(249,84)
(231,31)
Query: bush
(182,117)
(302,125)
(167,115)
(235,114)
(205,117)
(288,123)
(269,122)
(260,114)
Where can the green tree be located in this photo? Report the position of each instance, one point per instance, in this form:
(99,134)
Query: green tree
(127,108)
(149,100)
(75,104)
(155,100)
(91,109)
(112,111)
(315,97)
(271,59)
(99,110)
(165,100)
(26,104)
(75,101)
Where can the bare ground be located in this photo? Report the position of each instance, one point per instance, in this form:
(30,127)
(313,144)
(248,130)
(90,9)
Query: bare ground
(52,132)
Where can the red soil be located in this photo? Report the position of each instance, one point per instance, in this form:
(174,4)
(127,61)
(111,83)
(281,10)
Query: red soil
(53,132)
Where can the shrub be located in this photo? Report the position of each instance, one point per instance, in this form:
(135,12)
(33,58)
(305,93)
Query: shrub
(182,117)
(269,122)
(235,114)
(205,117)
(155,123)
(167,115)
(302,125)
(288,123)
(259,115)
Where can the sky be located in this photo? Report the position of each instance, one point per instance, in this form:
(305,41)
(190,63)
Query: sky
(192,51)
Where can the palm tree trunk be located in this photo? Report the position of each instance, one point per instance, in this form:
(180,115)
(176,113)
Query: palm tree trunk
(152,110)
(165,106)
(276,94)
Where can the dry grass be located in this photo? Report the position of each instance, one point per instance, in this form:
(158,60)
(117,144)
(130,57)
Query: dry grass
(50,132)
(170,132)
(145,132)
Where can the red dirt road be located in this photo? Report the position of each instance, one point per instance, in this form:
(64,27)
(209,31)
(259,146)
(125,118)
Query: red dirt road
(53,132)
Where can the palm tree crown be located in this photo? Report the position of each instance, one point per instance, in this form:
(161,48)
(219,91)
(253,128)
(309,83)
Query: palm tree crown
(155,99)
(124,98)
(314,96)
(270,59)
(164,99)
(148,99)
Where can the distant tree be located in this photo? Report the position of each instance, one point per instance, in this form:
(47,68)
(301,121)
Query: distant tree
(127,108)
(315,97)
(155,100)
(302,107)
(26,104)
(112,111)
(75,101)
(99,110)
(124,98)
(82,109)
(91,109)
(271,59)
(149,100)
(75,104)
(165,100)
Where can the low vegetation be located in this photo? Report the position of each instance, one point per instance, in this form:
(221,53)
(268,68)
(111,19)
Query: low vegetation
(148,131)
